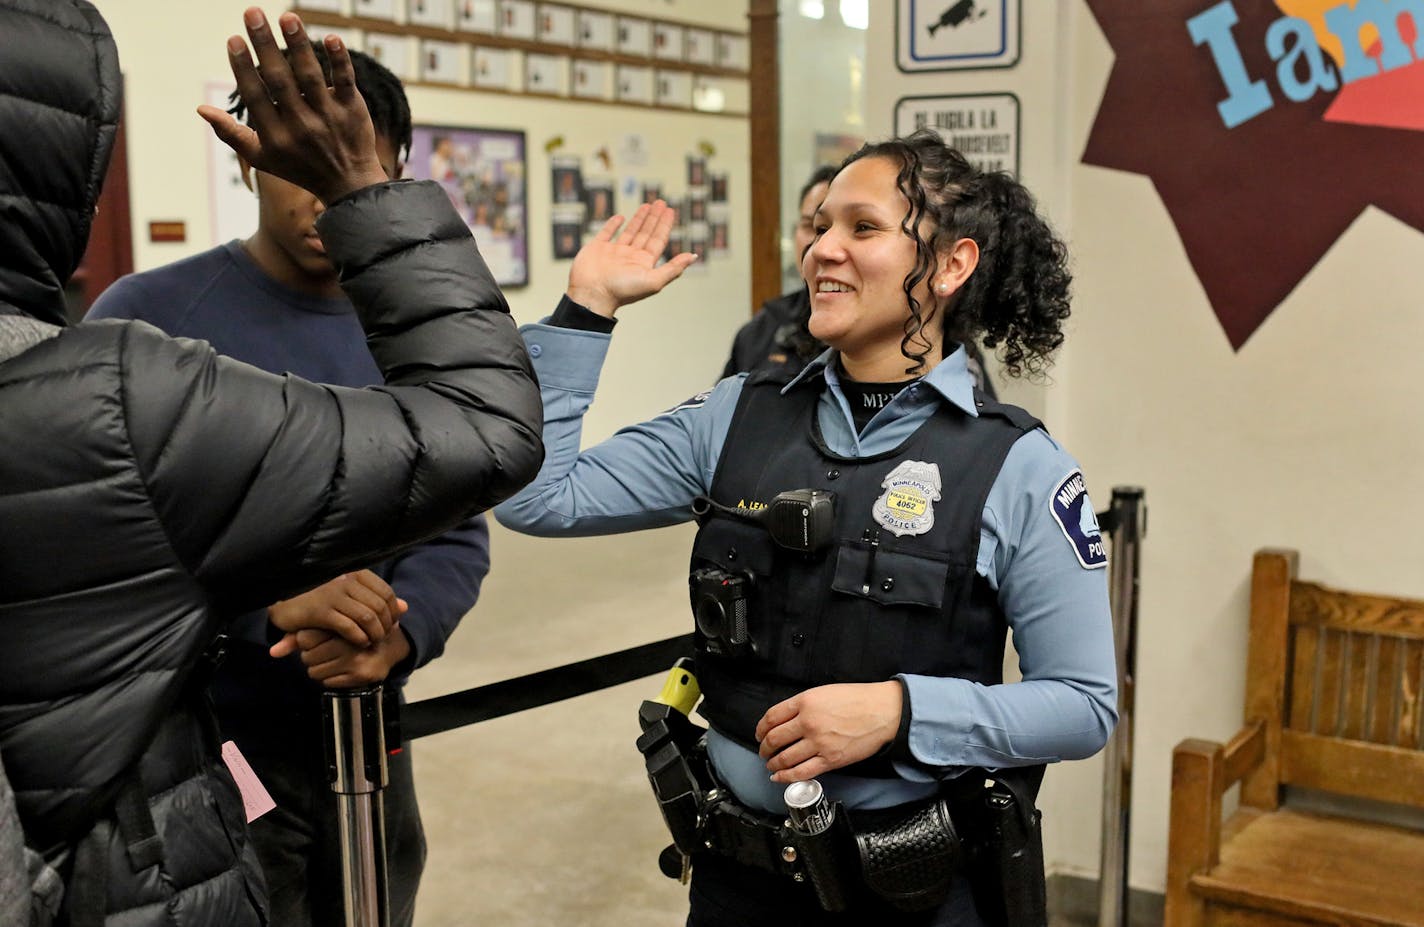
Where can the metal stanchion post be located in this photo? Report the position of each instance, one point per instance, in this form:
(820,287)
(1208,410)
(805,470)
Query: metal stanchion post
(356,768)
(1126,520)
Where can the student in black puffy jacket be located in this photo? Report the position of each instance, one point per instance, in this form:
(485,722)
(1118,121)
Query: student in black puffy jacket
(144,479)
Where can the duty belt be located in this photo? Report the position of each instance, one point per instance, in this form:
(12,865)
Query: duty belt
(907,856)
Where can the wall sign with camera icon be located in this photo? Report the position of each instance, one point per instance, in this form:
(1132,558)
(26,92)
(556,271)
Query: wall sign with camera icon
(948,35)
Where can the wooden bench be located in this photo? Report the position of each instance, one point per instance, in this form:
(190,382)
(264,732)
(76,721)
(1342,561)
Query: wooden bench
(1334,704)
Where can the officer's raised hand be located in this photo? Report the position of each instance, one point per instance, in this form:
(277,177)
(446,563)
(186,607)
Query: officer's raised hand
(299,129)
(614,269)
(828,727)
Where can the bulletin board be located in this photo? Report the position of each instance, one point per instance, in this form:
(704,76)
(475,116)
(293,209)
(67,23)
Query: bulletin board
(484,172)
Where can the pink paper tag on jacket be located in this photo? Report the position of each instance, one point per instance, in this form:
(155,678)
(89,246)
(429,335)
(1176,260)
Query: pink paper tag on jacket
(254,797)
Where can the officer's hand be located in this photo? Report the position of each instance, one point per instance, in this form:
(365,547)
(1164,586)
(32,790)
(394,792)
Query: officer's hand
(609,273)
(359,606)
(315,136)
(828,727)
(339,664)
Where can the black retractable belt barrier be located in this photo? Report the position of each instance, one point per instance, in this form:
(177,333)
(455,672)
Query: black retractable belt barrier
(1125,521)
(358,734)
(447,712)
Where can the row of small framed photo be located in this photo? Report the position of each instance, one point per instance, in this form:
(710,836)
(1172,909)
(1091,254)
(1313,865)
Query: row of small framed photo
(505,70)
(556,24)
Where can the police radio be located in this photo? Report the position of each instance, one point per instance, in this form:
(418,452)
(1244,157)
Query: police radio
(803,520)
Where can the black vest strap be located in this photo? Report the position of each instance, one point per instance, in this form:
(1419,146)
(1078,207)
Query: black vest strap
(145,848)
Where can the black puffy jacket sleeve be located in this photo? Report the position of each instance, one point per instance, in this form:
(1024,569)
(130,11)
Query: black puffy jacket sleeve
(266,485)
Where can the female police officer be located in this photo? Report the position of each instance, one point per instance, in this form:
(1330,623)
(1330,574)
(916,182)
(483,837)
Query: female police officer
(871,661)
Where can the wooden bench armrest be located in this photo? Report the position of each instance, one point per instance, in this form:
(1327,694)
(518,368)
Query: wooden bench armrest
(1202,771)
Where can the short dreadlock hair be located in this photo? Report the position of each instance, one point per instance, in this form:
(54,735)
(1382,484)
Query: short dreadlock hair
(383,92)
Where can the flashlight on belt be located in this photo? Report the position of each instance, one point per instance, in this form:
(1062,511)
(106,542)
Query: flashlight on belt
(811,818)
(806,807)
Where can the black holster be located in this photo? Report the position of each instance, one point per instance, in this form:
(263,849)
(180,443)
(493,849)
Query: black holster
(676,759)
(1005,863)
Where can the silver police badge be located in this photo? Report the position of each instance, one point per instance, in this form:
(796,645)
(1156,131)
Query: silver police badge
(907,506)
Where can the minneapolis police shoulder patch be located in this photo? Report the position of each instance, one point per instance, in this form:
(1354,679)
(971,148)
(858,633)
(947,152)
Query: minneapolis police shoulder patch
(1074,513)
(695,402)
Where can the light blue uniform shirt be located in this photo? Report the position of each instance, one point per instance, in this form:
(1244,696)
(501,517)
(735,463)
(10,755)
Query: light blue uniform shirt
(647,475)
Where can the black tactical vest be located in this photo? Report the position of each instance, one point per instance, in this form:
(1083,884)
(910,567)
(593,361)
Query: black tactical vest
(876,603)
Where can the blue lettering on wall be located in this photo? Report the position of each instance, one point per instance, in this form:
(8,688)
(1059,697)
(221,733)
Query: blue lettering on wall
(1302,68)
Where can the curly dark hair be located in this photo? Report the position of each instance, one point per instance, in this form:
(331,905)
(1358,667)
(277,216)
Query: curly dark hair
(1017,298)
(383,92)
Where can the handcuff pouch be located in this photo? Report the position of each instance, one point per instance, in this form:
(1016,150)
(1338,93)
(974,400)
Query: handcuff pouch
(909,855)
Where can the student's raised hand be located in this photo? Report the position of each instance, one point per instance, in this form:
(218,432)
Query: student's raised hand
(315,136)
(614,269)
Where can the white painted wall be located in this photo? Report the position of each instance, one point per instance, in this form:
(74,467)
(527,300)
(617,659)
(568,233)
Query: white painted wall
(1307,437)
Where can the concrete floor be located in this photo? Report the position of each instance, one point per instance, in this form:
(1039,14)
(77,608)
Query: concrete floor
(546,817)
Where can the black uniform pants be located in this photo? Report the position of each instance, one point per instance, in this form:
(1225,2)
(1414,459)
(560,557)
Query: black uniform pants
(725,893)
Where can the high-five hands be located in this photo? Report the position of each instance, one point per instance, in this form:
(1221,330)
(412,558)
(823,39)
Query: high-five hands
(828,727)
(298,128)
(614,269)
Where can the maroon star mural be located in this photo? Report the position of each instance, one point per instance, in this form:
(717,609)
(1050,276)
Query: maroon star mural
(1258,204)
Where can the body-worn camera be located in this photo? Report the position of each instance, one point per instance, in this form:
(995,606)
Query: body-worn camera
(719,603)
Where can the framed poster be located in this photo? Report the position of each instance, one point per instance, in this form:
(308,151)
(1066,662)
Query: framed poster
(477,16)
(439,14)
(949,35)
(984,127)
(546,74)
(668,41)
(673,88)
(634,84)
(592,79)
(556,24)
(443,62)
(483,172)
(396,52)
(493,69)
(375,9)
(733,51)
(517,19)
(595,30)
(700,46)
(635,37)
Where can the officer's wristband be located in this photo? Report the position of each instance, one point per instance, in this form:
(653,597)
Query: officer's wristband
(570,314)
(899,748)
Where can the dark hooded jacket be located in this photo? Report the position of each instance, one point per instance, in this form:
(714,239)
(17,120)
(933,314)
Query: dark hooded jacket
(150,489)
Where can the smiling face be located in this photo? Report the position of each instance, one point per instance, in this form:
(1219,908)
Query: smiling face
(286,244)
(856,270)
